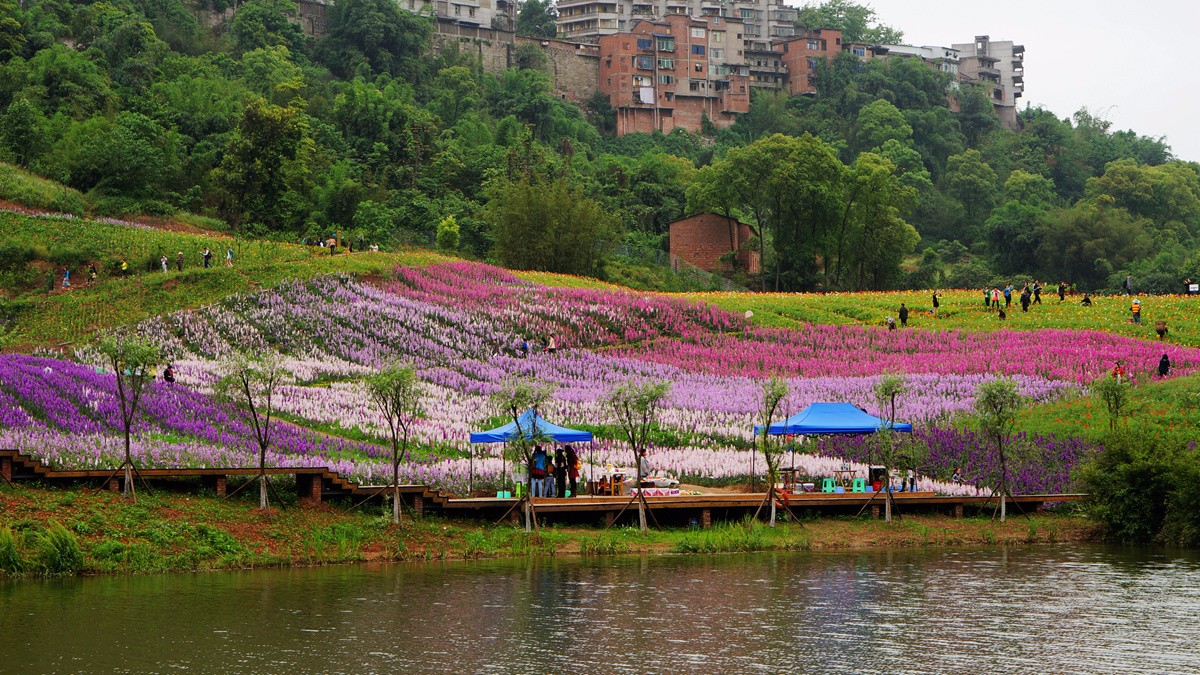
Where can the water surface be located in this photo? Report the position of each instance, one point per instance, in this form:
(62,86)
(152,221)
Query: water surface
(1026,609)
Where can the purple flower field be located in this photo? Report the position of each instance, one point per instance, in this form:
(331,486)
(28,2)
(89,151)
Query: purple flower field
(460,325)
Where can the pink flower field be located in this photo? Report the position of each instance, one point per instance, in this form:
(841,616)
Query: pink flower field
(461,324)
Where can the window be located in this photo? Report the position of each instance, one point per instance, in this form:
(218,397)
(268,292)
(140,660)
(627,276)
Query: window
(696,85)
(718,37)
(699,67)
(412,4)
(666,44)
(643,62)
(666,63)
(814,44)
(858,51)
(717,54)
(642,81)
(666,79)
(698,50)
(746,13)
(698,33)
(471,12)
(458,10)
(812,64)
(644,43)
(669,95)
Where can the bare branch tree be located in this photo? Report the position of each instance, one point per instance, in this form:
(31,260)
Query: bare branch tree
(396,392)
(635,407)
(251,383)
(132,359)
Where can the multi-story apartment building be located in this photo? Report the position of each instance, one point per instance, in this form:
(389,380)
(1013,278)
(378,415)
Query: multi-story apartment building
(673,72)
(944,59)
(1000,66)
(588,20)
(802,55)
(501,14)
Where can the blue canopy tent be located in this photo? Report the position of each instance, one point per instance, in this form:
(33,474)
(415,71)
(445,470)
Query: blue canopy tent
(529,421)
(831,418)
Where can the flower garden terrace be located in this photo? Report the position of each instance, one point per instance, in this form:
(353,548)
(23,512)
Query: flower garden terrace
(460,326)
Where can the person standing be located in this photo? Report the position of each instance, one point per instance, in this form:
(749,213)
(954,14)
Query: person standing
(92,274)
(1128,284)
(572,471)
(163,262)
(124,267)
(179,261)
(1037,292)
(537,472)
(643,466)
(1136,310)
(1118,372)
(548,490)
(1164,366)
(207,257)
(229,256)
(903,315)
(1062,291)
(552,344)
(66,282)
(936,304)
(1008,296)
(560,472)
(1025,300)
(987,297)
(996,297)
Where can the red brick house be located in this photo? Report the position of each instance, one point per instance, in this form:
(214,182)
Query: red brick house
(702,239)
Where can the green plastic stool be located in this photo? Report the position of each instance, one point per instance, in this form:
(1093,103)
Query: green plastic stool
(826,485)
(517,492)
(858,485)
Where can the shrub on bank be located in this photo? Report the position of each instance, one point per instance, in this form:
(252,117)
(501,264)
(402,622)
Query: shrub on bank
(59,551)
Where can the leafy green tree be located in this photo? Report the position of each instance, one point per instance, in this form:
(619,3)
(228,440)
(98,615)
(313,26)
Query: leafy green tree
(874,238)
(974,184)
(133,157)
(858,23)
(1167,195)
(379,35)
(1085,243)
(133,360)
(447,235)
(270,72)
(537,19)
(58,79)
(254,175)
(879,122)
(1114,393)
(260,24)
(548,226)
(996,404)
(976,114)
(888,388)
(251,383)
(12,35)
(22,131)
(634,407)
(457,92)
(396,393)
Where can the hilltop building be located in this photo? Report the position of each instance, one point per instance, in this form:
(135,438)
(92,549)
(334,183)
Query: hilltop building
(998,65)
(705,240)
(672,73)
(588,20)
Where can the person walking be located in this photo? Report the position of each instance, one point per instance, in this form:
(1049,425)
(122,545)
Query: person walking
(572,471)
(1136,310)
(1025,300)
(1037,292)
(1164,366)
(163,262)
(66,282)
(207,255)
(179,260)
(1062,291)
(903,315)
(560,471)
(229,256)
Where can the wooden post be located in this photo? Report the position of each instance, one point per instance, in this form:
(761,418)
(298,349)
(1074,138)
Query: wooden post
(419,505)
(6,469)
(220,486)
(706,518)
(958,510)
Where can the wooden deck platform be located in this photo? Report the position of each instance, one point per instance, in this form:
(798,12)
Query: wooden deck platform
(319,483)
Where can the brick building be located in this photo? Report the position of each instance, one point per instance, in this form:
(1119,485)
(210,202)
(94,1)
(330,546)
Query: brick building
(801,56)
(702,239)
(998,65)
(672,73)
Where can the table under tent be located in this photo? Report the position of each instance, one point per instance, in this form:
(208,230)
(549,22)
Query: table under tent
(828,419)
(532,426)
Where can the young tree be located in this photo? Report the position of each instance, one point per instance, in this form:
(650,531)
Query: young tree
(250,383)
(997,402)
(131,358)
(888,388)
(1114,391)
(512,399)
(774,391)
(396,392)
(537,19)
(635,407)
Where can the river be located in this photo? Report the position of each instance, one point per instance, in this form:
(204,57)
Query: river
(1047,609)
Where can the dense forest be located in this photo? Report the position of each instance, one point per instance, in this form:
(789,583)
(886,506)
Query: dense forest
(874,182)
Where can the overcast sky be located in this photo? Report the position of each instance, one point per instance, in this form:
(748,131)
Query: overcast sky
(1136,64)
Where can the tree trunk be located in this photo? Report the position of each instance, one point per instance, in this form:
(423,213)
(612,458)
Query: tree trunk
(642,512)
(262,491)
(128,470)
(887,500)
(771,492)
(395,486)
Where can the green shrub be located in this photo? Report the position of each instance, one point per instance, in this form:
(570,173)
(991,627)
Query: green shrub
(22,187)
(11,560)
(59,551)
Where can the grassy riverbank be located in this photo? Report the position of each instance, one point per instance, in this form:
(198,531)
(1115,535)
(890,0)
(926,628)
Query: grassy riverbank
(72,531)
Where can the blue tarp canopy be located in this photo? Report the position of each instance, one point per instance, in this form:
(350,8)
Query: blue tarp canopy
(831,418)
(529,419)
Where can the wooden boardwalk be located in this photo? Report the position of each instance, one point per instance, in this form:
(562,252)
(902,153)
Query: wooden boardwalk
(319,483)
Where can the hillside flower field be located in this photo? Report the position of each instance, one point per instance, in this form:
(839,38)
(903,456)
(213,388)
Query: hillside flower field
(462,326)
